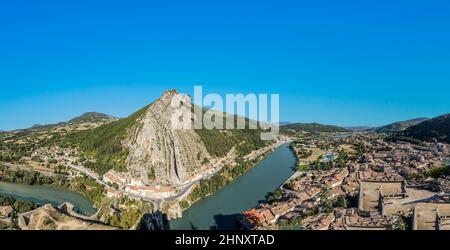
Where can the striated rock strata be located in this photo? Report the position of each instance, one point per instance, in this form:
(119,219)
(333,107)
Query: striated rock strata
(159,151)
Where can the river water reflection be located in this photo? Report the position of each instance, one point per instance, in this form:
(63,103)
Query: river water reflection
(219,211)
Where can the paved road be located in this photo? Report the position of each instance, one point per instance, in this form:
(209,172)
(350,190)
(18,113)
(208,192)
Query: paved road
(158,201)
(94,176)
(89,173)
(209,175)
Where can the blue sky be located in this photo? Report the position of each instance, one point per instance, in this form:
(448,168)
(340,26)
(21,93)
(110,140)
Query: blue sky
(335,62)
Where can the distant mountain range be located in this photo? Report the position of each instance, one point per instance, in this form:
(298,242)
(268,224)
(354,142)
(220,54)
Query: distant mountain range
(398,126)
(423,129)
(88,117)
(92,117)
(317,127)
(358,128)
(313,127)
(283,123)
(433,129)
(390,128)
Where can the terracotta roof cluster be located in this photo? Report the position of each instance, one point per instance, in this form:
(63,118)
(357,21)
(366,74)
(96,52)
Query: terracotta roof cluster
(253,217)
(320,221)
(379,176)
(374,221)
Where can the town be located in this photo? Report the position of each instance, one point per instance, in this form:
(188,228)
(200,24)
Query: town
(359,181)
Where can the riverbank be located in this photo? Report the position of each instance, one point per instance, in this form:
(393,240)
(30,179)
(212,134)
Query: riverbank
(223,176)
(83,185)
(220,210)
(92,192)
(43,194)
(252,164)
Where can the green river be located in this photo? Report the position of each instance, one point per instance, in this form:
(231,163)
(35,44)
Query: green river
(47,195)
(220,211)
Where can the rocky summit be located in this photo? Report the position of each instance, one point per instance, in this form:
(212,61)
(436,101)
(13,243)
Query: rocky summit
(159,150)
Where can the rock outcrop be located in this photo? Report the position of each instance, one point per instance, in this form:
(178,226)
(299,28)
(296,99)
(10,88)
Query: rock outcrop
(48,217)
(158,151)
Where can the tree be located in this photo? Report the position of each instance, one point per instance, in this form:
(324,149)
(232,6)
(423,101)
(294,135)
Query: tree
(289,185)
(399,224)
(277,194)
(184,204)
(341,202)
(438,171)
(292,224)
(151,173)
(303,167)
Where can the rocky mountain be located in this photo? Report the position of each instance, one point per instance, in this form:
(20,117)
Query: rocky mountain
(399,126)
(154,146)
(434,129)
(312,127)
(145,145)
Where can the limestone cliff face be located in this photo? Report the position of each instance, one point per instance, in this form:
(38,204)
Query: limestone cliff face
(159,152)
